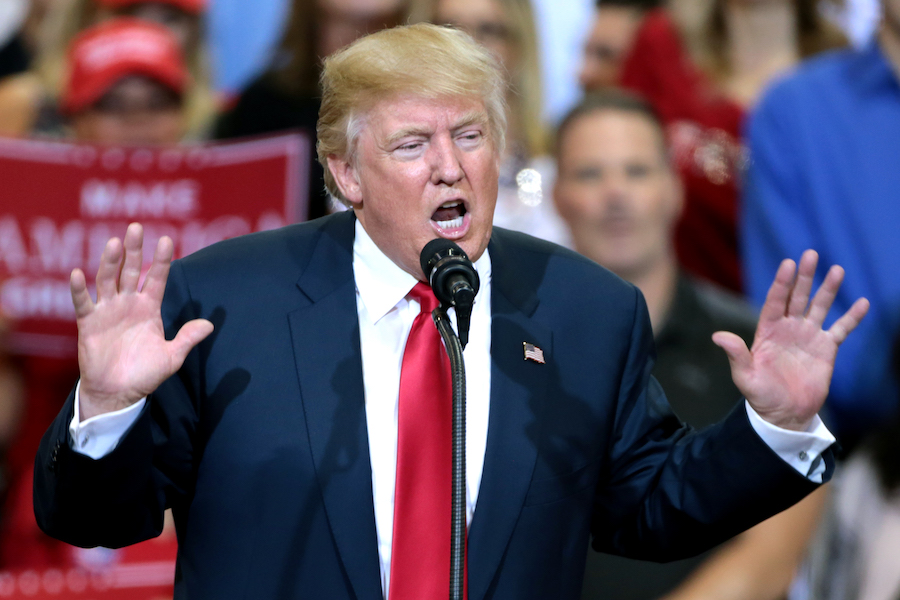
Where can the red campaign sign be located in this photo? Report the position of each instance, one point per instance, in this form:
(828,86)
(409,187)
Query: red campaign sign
(145,571)
(61,202)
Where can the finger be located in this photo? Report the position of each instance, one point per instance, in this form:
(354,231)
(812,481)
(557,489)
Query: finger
(736,349)
(775,306)
(81,297)
(190,334)
(824,298)
(806,270)
(131,266)
(155,283)
(108,272)
(841,328)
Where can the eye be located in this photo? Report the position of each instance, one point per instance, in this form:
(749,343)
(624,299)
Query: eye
(587,174)
(638,171)
(470,138)
(409,148)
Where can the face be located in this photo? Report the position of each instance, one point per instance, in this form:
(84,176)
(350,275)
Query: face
(607,46)
(484,20)
(616,190)
(135,111)
(423,169)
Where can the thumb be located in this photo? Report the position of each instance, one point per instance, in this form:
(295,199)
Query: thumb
(190,334)
(735,348)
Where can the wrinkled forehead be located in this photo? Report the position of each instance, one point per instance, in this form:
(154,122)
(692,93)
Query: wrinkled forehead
(398,114)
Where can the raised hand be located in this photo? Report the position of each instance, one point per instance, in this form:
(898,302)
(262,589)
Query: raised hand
(123,354)
(786,375)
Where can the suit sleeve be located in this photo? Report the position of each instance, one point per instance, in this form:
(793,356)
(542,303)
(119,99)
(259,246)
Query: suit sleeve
(120,498)
(670,492)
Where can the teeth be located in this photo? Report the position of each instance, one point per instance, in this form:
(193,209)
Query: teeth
(451,204)
(451,224)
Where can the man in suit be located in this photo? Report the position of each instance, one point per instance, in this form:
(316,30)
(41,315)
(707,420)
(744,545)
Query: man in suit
(269,422)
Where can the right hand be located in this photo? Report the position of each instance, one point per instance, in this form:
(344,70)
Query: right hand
(123,354)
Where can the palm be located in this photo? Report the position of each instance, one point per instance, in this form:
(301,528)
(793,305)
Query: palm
(786,374)
(122,351)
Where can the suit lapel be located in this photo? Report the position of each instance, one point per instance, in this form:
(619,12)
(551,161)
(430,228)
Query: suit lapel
(517,400)
(326,327)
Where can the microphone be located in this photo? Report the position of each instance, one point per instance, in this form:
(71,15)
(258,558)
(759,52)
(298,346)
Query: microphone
(453,279)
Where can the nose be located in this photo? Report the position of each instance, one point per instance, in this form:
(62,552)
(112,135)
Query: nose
(615,186)
(446,165)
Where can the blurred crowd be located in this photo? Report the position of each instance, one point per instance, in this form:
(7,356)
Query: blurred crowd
(702,142)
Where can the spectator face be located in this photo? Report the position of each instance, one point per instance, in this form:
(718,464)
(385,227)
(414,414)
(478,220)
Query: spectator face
(136,110)
(422,169)
(607,46)
(616,190)
(484,20)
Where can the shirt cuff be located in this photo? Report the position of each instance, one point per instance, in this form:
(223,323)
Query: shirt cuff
(98,436)
(800,449)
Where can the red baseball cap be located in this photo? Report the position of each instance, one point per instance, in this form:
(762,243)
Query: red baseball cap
(102,55)
(194,7)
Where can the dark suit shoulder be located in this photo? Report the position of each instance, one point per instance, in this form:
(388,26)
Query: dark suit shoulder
(522,263)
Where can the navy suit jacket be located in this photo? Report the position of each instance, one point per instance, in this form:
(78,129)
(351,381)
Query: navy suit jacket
(259,443)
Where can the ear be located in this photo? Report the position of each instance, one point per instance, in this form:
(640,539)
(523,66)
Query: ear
(347,178)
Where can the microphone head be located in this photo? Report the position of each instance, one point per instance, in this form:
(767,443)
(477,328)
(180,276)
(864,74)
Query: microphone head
(434,251)
(443,262)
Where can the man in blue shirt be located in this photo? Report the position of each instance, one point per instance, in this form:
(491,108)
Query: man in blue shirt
(824,158)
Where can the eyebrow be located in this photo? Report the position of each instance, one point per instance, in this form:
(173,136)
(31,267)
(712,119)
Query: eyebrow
(471,118)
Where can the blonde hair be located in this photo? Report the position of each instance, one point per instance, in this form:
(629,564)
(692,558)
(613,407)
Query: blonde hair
(525,79)
(422,60)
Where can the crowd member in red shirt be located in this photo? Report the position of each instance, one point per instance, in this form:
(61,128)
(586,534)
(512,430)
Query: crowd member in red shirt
(701,93)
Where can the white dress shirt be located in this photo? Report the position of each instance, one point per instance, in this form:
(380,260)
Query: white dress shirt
(385,318)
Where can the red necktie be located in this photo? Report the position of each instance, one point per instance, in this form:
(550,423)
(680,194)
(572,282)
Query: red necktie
(420,550)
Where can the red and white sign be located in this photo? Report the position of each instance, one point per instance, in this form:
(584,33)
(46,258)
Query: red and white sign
(61,202)
(145,571)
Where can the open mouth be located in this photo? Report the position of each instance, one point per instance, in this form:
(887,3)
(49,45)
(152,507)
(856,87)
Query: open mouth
(450,217)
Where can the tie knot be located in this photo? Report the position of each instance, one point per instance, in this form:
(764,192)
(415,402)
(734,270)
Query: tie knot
(424,295)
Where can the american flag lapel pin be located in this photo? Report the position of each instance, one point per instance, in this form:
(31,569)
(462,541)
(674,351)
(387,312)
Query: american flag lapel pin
(534,353)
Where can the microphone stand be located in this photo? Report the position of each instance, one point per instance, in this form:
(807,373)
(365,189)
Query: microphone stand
(458,501)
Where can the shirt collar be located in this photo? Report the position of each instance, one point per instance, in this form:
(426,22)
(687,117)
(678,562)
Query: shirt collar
(381,284)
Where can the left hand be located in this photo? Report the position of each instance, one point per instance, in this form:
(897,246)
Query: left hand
(786,375)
